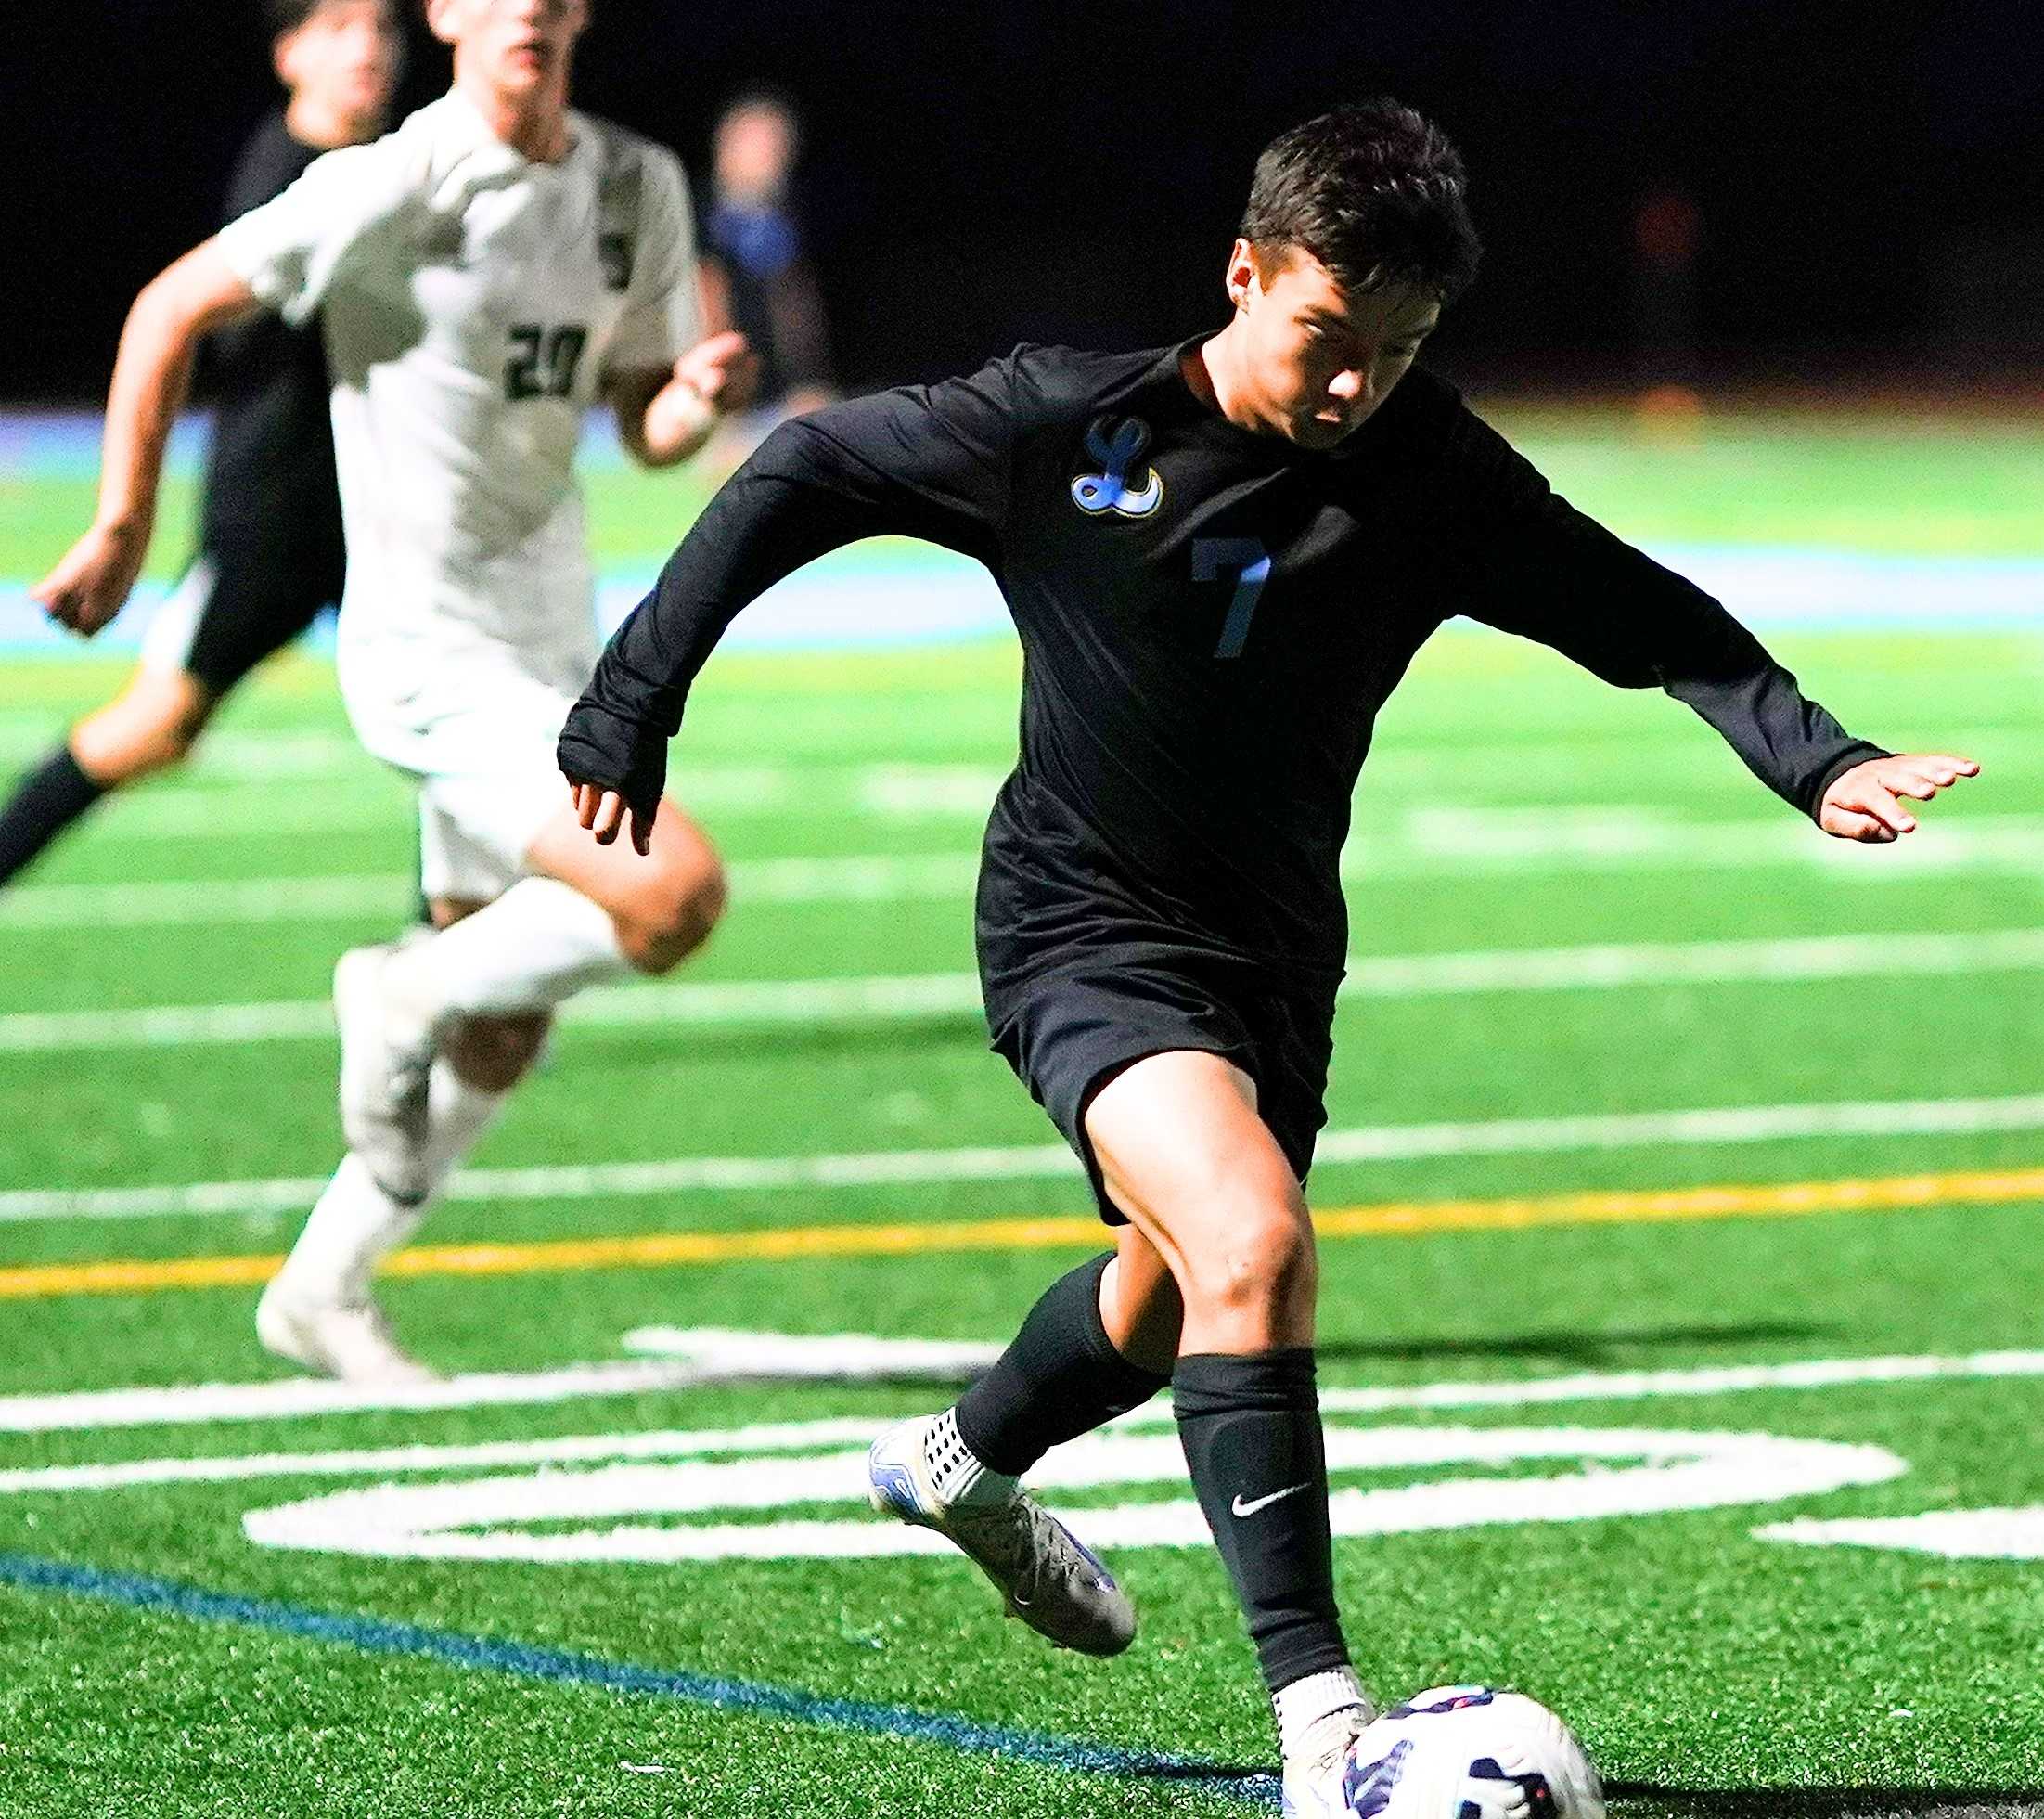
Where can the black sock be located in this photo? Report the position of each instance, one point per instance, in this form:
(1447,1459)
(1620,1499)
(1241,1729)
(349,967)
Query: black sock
(1251,1428)
(1059,1378)
(45,802)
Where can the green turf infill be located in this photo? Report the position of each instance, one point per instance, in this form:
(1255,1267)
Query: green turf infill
(564,1667)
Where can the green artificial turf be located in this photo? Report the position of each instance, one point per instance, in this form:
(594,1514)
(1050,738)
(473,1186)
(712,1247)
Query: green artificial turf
(1511,803)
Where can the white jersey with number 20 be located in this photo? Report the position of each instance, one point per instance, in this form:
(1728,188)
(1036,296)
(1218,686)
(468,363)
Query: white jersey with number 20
(472,301)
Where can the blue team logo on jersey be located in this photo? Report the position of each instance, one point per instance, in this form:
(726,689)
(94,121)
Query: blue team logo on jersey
(1118,446)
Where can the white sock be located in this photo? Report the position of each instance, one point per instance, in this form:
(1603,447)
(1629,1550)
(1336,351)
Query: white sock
(458,1114)
(1306,1702)
(535,947)
(354,1225)
(956,1473)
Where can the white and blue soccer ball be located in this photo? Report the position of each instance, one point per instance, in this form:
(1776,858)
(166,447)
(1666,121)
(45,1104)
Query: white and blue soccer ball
(1469,1752)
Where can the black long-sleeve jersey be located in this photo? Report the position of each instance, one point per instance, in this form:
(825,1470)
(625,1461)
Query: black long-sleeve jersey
(270,481)
(1209,621)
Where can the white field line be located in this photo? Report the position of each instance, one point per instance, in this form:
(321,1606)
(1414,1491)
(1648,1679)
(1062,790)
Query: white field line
(1434,845)
(848,1430)
(375,797)
(1989,1534)
(271,756)
(299,1398)
(1706,1127)
(906,998)
(701,1355)
(229,902)
(75,1411)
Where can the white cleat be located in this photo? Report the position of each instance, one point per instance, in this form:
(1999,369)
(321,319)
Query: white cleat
(386,1062)
(1046,1578)
(349,1340)
(1323,1779)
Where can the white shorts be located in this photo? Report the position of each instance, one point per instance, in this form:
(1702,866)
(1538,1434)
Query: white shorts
(488,781)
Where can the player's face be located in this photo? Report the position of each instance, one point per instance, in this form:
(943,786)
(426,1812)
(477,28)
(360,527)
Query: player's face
(1315,359)
(516,46)
(344,58)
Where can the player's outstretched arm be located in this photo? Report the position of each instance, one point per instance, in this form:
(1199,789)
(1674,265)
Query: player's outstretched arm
(1533,564)
(1864,803)
(151,374)
(927,461)
(665,416)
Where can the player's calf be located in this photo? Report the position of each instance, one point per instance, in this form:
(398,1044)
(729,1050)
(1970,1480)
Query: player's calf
(671,917)
(492,1054)
(149,727)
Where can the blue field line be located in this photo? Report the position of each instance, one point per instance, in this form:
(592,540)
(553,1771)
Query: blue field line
(564,1667)
(936,599)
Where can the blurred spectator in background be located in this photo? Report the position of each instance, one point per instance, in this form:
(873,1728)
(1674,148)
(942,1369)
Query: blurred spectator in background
(755,270)
(1667,235)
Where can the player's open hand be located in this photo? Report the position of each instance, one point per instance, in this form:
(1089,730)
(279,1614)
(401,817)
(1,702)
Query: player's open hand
(92,584)
(1865,802)
(605,812)
(723,371)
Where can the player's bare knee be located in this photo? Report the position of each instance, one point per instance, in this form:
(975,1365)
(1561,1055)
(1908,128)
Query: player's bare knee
(492,1054)
(1261,1265)
(674,916)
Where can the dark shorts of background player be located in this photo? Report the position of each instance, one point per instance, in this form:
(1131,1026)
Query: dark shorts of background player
(253,597)
(1069,1031)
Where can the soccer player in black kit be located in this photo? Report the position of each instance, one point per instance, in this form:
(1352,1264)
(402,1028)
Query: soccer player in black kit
(1220,557)
(270,554)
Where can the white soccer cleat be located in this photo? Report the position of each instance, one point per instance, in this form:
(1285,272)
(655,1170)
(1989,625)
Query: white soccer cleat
(386,1062)
(1322,1778)
(349,1340)
(1046,1577)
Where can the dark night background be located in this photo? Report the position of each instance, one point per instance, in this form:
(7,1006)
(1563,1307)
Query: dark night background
(1870,177)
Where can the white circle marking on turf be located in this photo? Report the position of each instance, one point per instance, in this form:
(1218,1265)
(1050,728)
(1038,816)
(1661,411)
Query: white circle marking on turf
(1651,1471)
(1990,1534)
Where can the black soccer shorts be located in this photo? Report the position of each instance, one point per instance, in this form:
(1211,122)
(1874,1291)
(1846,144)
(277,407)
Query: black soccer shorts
(242,600)
(1069,1031)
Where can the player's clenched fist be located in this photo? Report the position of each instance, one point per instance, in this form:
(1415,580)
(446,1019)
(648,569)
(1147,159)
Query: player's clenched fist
(722,371)
(91,584)
(1865,802)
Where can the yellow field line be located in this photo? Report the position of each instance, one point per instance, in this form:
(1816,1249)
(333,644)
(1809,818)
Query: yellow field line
(1391,1219)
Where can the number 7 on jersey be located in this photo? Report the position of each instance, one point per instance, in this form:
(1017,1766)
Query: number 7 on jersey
(1244,558)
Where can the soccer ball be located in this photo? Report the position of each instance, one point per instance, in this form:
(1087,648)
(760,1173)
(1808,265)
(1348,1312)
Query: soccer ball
(1468,1752)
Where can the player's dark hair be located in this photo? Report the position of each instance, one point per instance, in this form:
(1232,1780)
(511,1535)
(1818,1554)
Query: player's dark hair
(283,15)
(763,97)
(1374,192)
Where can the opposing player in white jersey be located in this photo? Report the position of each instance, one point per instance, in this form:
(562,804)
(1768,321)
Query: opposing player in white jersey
(483,274)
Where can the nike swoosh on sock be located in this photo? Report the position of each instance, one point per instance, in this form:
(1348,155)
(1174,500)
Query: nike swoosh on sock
(1240,1508)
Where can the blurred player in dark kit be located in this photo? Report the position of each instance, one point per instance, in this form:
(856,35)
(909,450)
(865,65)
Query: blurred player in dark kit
(270,553)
